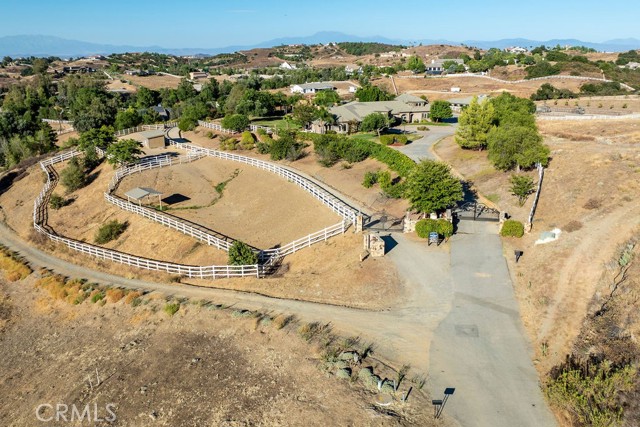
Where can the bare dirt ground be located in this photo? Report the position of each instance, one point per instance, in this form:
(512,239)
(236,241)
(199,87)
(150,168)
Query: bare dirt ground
(327,272)
(153,82)
(589,192)
(256,206)
(201,366)
(440,87)
(602,131)
(346,180)
(116,84)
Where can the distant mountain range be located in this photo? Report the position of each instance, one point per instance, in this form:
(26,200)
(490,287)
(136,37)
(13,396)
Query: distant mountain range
(38,45)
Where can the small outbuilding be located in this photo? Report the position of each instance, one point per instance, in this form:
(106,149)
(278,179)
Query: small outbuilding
(138,194)
(154,138)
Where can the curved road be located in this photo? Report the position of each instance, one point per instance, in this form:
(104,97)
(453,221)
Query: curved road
(459,318)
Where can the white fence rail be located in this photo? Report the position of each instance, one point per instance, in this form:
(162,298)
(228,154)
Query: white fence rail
(215,127)
(143,128)
(335,204)
(210,239)
(213,271)
(589,117)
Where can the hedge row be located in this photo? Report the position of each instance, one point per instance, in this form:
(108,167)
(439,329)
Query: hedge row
(396,161)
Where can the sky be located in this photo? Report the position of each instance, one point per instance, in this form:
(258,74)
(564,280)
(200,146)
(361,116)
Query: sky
(215,23)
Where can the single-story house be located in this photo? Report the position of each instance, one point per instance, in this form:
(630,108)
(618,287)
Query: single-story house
(195,75)
(458,104)
(352,69)
(164,113)
(516,49)
(437,65)
(353,89)
(154,138)
(286,66)
(306,88)
(78,69)
(348,117)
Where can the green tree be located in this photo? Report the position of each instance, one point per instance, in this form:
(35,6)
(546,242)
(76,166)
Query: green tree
(241,254)
(516,147)
(440,110)
(128,118)
(326,98)
(369,93)
(73,176)
(236,122)
(474,124)
(374,122)
(40,66)
(512,110)
(431,187)
(304,113)
(124,151)
(146,97)
(415,64)
(185,90)
(521,187)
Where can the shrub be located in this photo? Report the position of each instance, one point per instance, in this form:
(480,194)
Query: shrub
(393,139)
(308,330)
(512,228)
(114,295)
(246,140)
(172,308)
(97,296)
(241,254)
(281,320)
(393,188)
(445,228)
(422,128)
(110,231)
(132,296)
(74,176)
(426,226)
(57,202)
(370,178)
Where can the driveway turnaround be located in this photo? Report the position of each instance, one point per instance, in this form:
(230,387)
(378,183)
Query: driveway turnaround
(421,148)
(480,349)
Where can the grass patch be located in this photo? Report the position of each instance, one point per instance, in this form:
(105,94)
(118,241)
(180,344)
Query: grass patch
(110,231)
(493,197)
(172,308)
(14,268)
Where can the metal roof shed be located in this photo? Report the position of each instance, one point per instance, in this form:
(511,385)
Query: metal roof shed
(139,193)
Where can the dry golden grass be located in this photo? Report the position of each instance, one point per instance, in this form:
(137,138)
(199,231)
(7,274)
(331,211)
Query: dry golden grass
(13,268)
(132,296)
(114,295)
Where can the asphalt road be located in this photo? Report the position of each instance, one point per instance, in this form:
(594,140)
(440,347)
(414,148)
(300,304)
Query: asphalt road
(480,348)
(421,148)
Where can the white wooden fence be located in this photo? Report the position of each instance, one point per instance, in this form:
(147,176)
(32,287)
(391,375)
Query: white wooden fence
(212,272)
(183,226)
(216,127)
(143,128)
(589,117)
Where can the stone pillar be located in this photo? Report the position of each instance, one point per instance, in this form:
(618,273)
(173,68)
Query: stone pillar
(358,225)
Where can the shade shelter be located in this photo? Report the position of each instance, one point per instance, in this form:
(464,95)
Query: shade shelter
(139,193)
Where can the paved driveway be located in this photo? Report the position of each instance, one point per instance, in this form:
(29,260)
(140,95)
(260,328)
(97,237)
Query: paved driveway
(480,348)
(420,149)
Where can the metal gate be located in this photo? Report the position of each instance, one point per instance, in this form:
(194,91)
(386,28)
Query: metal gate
(384,222)
(473,211)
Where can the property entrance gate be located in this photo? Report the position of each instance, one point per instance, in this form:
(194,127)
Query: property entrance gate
(473,211)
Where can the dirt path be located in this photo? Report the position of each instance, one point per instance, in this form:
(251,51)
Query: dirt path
(402,335)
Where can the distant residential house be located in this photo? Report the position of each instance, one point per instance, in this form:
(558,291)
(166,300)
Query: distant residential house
(455,89)
(286,66)
(93,58)
(458,104)
(195,75)
(164,113)
(78,69)
(633,65)
(138,72)
(437,65)
(347,117)
(516,49)
(353,69)
(353,89)
(310,88)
